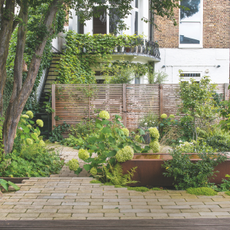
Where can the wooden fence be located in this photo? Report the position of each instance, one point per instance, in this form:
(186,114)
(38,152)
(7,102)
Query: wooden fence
(73,103)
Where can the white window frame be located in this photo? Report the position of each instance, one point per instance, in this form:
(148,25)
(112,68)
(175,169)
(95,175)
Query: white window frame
(190,72)
(201,30)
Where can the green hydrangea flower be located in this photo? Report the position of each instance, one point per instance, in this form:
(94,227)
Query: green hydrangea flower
(154,132)
(104,115)
(37,131)
(25,116)
(30,114)
(125,154)
(39,122)
(42,143)
(93,171)
(126,131)
(163,115)
(23,121)
(137,138)
(29,141)
(73,164)
(155,146)
(171,116)
(83,154)
(29,126)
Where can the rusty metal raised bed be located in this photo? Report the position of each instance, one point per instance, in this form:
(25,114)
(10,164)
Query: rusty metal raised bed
(150,171)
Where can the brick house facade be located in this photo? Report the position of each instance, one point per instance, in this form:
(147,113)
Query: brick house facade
(211,57)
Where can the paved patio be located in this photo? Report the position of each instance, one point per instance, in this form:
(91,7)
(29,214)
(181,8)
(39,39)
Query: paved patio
(66,196)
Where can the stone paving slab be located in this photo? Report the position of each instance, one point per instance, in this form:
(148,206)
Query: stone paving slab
(76,198)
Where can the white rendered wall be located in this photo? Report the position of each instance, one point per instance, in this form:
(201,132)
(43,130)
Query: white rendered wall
(204,61)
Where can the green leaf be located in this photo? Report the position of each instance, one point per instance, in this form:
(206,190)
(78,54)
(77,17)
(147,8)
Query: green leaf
(4,184)
(105,122)
(142,132)
(13,185)
(112,153)
(78,171)
(87,167)
(106,130)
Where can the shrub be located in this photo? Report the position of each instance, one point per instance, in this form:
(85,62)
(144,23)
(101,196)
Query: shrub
(73,164)
(32,161)
(188,174)
(202,191)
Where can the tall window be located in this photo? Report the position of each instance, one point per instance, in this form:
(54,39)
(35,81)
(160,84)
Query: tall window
(113,20)
(191,23)
(99,21)
(136,17)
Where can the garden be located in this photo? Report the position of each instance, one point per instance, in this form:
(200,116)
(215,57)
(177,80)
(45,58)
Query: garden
(197,135)
(198,141)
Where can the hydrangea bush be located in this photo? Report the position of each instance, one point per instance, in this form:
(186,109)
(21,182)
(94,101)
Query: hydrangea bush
(28,132)
(112,143)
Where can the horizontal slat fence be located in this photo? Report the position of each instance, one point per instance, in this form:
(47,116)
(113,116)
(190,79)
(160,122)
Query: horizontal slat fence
(73,103)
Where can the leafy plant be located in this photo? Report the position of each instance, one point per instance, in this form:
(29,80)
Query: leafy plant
(56,133)
(109,140)
(32,161)
(197,103)
(157,77)
(5,184)
(188,174)
(116,177)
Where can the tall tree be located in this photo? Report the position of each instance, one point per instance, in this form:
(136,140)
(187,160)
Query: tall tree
(9,20)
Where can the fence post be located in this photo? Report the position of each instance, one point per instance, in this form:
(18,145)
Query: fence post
(124,112)
(53,106)
(161,99)
(226,94)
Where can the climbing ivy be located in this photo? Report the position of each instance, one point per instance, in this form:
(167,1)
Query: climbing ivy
(85,53)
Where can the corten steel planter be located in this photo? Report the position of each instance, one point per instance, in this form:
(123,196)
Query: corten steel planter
(149,170)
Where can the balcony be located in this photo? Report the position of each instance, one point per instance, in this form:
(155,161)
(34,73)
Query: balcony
(147,50)
(140,50)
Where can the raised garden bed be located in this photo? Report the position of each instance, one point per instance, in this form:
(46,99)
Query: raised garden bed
(150,171)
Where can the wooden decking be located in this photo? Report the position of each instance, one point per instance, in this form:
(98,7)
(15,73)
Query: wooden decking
(188,224)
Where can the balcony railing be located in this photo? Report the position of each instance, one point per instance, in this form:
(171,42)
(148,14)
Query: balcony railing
(148,48)
(142,48)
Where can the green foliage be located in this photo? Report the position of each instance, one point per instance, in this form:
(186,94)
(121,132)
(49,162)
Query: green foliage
(202,191)
(28,132)
(157,77)
(227,193)
(1,138)
(95,182)
(85,53)
(108,139)
(138,189)
(56,133)
(32,161)
(188,174)
(225,185)
(197,103)
(5,184)
(225,113)
(149,120)
(116,177)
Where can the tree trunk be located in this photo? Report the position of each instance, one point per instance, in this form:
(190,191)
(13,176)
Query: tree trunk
(17,103)
(7,20)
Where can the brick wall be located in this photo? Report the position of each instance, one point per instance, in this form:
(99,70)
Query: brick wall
(216,26)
